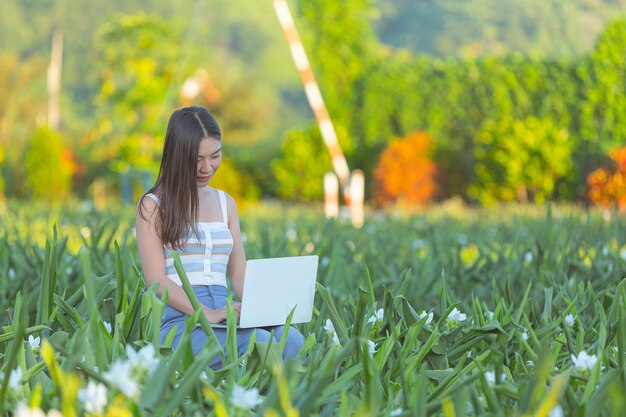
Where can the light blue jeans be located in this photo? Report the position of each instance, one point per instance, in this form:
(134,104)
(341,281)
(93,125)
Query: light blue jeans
(214,296)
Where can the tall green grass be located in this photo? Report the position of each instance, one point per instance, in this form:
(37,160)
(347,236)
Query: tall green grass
(516,295)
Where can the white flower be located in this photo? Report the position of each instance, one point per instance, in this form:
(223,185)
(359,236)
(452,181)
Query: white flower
(525,334)
(584,362)
(94,397)
(291,234)
(371,348)
(530,363)
(455,314)
(490,376)
(556,412)
(69,270)
(86,205)
(107,326)
(23,410)
(203,376)
(378,316)
(569,319)
(15,378)
(396,412)
(34,342)
(330,329)
(325,261)
(120,377)
(622,254)
(605,251)
(418,244)
(12,273)
(145,358)
(246,399)
(528,257)
(429,315)
(490,314)
(329,326)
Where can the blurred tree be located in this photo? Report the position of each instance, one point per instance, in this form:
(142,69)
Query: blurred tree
(138,58)
(452,99)
(339,38)
(300,169)
(141,86)
(603,126)
(22,105)
(520,160)
(23,95)
(405,173)
(384,108)
(49,166)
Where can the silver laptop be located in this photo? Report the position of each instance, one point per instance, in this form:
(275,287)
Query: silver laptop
(273,287)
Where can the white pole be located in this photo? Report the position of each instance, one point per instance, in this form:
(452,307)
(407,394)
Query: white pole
(54,80)
(357,196)
(331,195)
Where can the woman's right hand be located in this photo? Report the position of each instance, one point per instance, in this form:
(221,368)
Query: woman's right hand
(215,316)
(219,315)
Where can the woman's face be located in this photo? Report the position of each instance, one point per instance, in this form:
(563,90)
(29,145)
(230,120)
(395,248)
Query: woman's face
(209,160)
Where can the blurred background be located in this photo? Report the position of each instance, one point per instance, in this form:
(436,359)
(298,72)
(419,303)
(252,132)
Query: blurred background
(486,101)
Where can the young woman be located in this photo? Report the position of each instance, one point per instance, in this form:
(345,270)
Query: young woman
(182,213)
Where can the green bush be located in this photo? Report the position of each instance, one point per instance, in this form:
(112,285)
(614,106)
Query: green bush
(49,166)
(520,160)
(301,168)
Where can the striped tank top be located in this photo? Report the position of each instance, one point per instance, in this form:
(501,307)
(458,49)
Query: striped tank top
(204,257)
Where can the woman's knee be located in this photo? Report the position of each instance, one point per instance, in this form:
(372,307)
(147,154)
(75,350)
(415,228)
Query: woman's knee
(264,336)
(294,342)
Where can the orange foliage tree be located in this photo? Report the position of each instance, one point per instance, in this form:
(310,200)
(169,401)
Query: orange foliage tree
(405,174)
(607,188)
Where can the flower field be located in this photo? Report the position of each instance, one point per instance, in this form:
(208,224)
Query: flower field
(516,311)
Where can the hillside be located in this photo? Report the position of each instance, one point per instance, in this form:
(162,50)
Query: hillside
(471,28)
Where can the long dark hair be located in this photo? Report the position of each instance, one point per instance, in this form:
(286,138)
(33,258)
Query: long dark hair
(176,183)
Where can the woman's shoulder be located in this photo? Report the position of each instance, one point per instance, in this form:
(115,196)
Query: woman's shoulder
(230,201)
(217,193)
(148,203)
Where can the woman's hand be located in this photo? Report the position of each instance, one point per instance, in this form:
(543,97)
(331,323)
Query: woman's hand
(219,315)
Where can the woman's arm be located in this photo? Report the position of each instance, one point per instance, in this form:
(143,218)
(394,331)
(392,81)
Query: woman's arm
(153,262)
(237,262)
